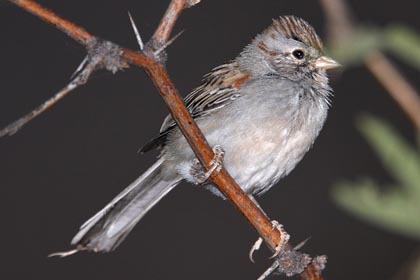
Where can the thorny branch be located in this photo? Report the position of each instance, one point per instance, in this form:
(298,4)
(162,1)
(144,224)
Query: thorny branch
(100,55)
(341,26)
(154,67)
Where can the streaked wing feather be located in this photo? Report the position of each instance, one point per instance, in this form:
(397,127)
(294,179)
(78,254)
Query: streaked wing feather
(219,88)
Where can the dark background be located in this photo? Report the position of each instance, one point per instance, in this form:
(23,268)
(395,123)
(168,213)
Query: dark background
(68,163)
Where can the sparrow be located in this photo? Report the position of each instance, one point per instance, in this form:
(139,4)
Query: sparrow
(262,112)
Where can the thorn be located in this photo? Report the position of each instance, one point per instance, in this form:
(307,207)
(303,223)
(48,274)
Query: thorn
(191,3)
(301,244)
(170,41)
(136,32)
(80,67)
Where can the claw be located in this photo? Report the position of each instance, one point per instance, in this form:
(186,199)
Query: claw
(216,162)
(68,253)
(64,254)
(283,239)
(255,247)
(216,165)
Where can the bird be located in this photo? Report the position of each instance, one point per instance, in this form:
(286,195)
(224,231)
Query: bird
(261,111)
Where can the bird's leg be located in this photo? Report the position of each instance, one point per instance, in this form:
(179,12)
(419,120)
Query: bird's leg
(216,165)
(283,240)
(257,204)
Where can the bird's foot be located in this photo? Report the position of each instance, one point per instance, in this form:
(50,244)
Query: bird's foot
(216,165)
(284,238)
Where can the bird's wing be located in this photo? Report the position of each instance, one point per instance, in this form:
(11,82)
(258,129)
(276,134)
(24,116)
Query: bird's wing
(219,88)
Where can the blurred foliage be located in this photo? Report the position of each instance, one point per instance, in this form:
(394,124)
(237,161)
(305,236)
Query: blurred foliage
(415,274)
(399,40)
(405,43)
(394,207)
(352,49)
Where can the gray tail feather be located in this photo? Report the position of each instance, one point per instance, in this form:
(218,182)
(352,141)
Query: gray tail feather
(110,226)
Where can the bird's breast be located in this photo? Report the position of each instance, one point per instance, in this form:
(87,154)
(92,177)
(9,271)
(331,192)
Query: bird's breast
(263,138)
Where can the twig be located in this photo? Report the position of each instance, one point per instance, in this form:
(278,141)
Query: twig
(397,86)
(410,269)
(101,54)
(18,124)
(269,271)
(164,30)
(72,30)
(340,26)
(157,73)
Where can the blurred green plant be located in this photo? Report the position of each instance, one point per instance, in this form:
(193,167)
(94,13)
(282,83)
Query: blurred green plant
(393,207)
(399,40)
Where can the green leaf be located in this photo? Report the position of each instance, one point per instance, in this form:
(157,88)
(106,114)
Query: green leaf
(353,49)
(404,42)
(395,208)
(418,141)
(390,210)
(399,158)
(400,40)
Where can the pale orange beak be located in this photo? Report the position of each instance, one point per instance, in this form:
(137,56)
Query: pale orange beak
(324,62)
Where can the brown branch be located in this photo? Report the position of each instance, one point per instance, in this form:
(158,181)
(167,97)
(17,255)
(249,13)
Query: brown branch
(397,86)
(18,124)
(340,26)
(313,271)
(164,30)
(72,30)
(157,73)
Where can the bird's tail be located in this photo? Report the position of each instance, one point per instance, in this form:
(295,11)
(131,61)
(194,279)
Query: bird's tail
(110,226)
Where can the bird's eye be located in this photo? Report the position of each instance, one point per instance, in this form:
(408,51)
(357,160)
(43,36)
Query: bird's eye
(298,54)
